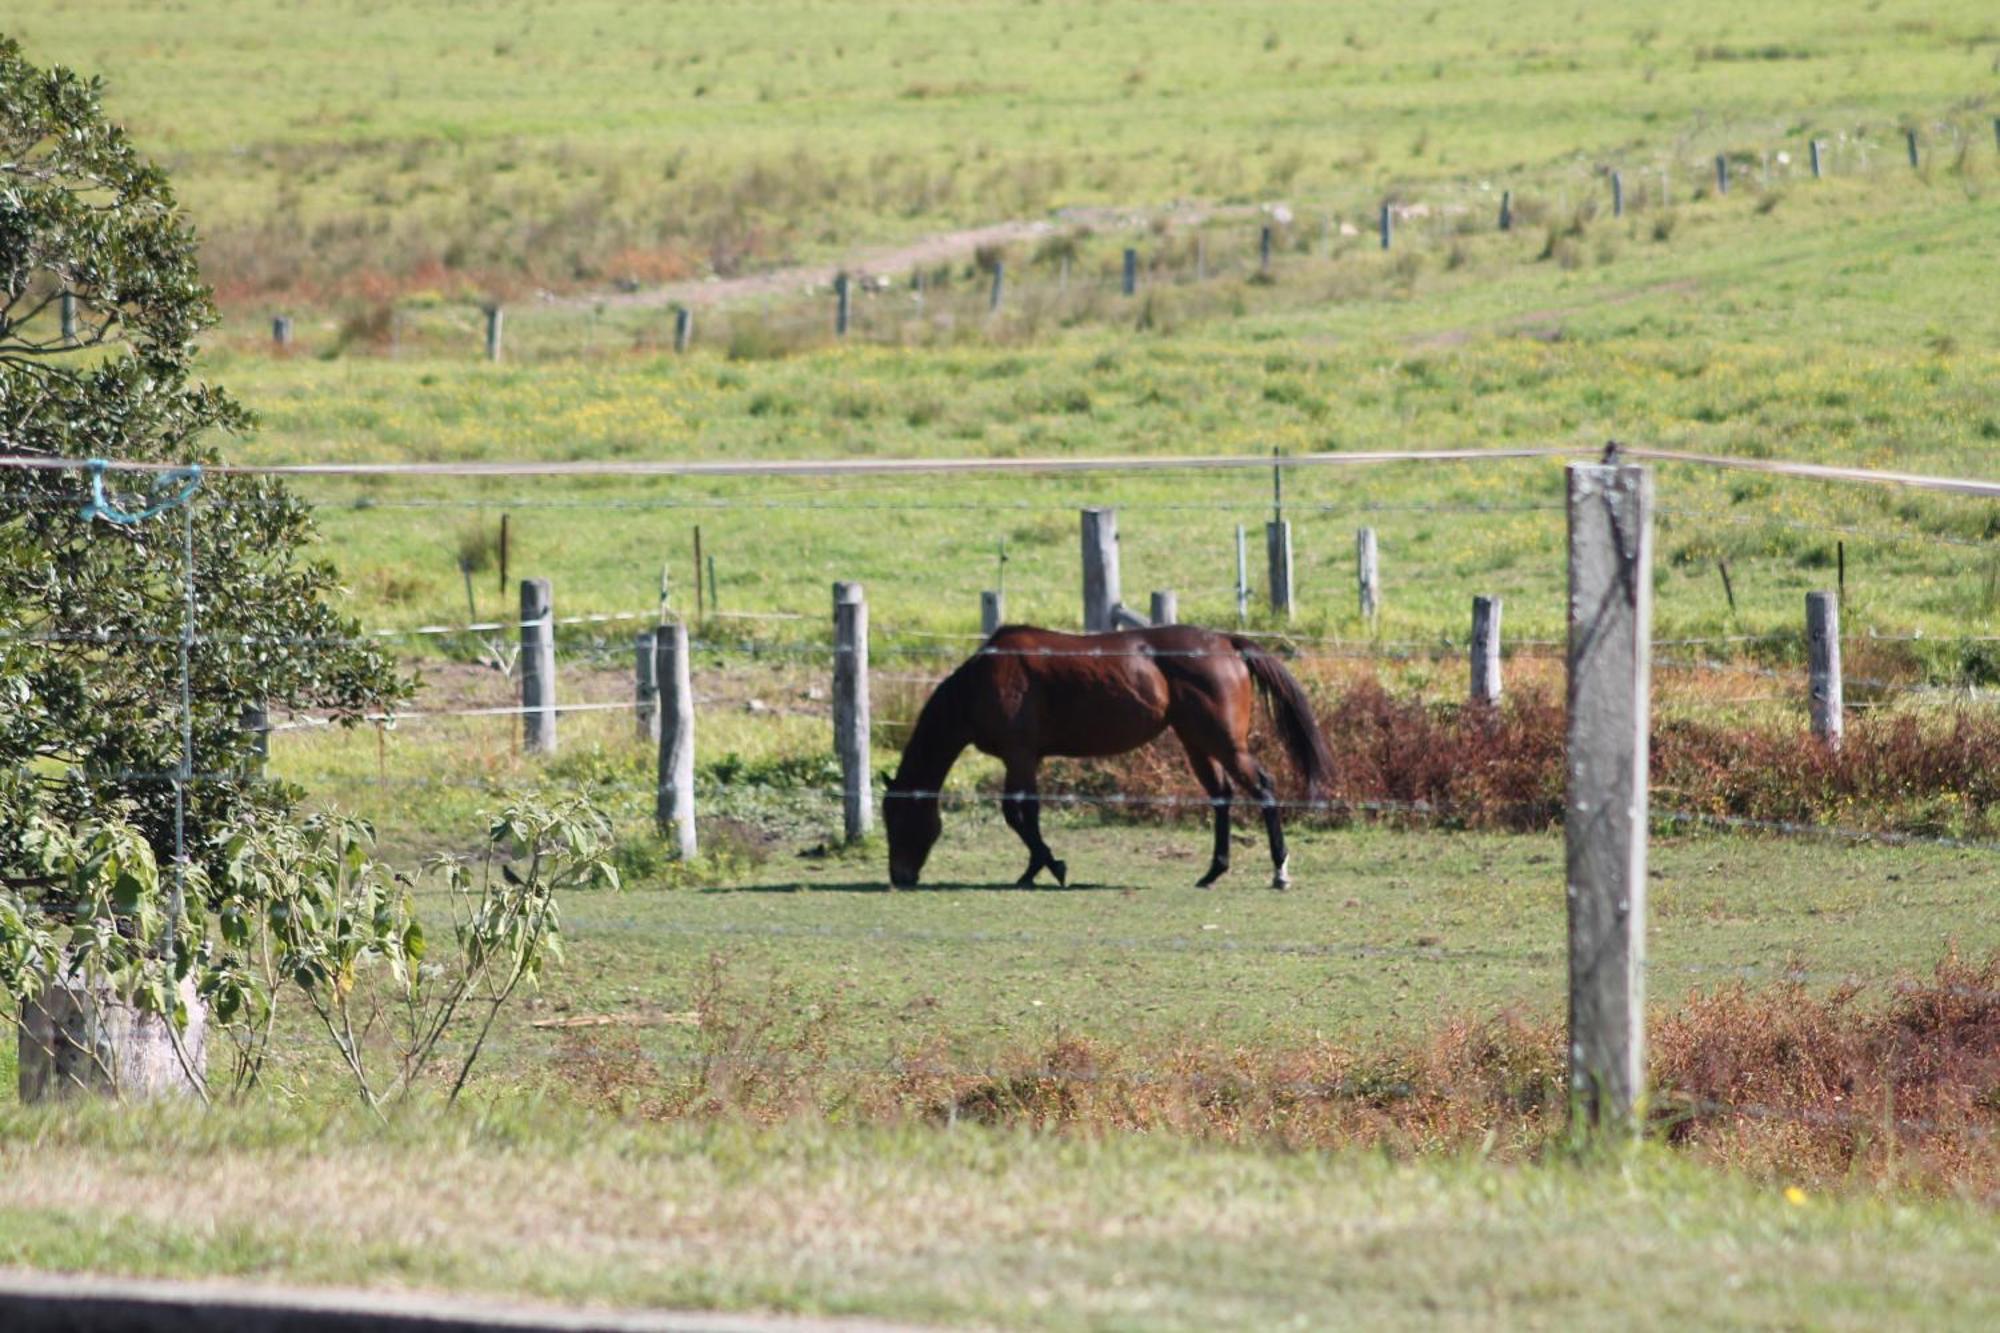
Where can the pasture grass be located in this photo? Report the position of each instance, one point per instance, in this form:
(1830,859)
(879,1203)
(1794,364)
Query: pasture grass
(489,146)
(969,1226)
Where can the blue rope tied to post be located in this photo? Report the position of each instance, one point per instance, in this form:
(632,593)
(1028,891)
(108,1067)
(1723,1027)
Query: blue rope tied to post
(101,507)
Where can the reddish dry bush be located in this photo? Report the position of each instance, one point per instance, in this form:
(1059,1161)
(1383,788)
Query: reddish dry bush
(1780,1082)
(1462,766)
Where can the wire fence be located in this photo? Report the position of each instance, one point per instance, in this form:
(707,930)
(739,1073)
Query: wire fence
(910,649)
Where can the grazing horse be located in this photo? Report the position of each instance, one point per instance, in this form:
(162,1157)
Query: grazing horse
(1031,693)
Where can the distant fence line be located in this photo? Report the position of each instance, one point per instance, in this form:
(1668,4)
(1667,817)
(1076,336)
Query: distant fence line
(879,306)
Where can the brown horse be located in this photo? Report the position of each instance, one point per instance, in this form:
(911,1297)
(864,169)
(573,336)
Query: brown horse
(1031,693)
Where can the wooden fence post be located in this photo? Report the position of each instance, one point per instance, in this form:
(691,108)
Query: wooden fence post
(842,305)
(1721,173)
(1100,569)
(683,327)
(1823,664)
(1604,816)
(1278,557)
(1617,195)
(992,610)
(850,708)
(281,331)
(256,723)
(1367,574)
(1486,651)
(1815,159)
(1910,137)
(1201,247)
(673,810)
(1385,226)
(495,318)
(1506,210)
(66,313)
(999,285)
(1166,607)
(646,684)
(1130,284)
(538,667)
(1242,577)
(1264,249)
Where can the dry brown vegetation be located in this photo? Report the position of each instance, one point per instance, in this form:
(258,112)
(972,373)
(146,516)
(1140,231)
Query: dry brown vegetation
(1884,1089)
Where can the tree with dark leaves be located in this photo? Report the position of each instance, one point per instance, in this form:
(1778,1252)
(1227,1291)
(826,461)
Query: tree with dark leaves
(101,303)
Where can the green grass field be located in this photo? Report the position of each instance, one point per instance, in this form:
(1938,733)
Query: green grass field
(342,160)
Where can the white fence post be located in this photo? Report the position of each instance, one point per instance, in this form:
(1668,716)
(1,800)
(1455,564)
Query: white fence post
(1100,569)
(1604,816)
(1823,662)
(850,708)
(538,667)
(674,808)
(1486,651)
(1367,574)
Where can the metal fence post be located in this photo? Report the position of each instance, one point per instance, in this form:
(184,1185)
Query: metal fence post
(850,709)
(1604,816)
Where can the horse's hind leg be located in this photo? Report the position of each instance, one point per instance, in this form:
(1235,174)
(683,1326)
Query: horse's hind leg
(1244,767)
(1209,772)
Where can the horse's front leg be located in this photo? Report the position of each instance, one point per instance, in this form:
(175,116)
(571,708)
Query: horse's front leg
(1026,819)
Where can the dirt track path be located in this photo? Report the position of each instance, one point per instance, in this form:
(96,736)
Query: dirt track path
(936,248)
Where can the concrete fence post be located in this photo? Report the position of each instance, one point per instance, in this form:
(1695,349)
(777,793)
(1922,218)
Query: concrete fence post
(646,684)
(850,709)
(1823,665)
(1604,817)
(1485,651)
(673,809)
(1100,569)
(495,321)
(1165,607)
(1367,574)
(992,610)
(538,667)
(1278,557)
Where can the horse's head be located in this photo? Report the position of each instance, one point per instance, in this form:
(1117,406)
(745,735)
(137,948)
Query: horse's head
(911,820)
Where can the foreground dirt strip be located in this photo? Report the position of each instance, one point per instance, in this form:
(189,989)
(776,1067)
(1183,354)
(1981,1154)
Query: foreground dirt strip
(69,1303)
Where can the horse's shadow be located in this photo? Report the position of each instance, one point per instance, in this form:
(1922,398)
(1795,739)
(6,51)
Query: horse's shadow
(940,886)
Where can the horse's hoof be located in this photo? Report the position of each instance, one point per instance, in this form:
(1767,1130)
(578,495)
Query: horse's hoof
(1208,881)
(1061,870)
(1026,881)
(1282,877)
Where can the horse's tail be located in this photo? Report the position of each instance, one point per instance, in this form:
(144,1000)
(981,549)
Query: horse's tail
(1290,713)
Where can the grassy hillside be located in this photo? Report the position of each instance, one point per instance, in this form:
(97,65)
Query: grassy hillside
(339,145)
